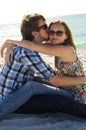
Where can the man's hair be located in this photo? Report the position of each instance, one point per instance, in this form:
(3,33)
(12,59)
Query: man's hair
(30,23)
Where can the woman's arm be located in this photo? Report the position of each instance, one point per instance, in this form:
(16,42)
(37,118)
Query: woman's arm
(8,46)
(61,51)
(9,53)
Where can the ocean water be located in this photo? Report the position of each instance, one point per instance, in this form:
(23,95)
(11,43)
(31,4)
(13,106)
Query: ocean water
(77,24)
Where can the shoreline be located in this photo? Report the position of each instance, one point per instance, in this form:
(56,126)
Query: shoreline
(81,46)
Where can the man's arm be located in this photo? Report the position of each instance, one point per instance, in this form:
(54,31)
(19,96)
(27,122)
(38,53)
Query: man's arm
(67,81)
(46,73)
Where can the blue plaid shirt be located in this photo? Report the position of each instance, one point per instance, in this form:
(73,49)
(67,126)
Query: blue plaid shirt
(24,65)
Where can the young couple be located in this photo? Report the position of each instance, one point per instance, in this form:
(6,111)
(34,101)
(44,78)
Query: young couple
(17,83)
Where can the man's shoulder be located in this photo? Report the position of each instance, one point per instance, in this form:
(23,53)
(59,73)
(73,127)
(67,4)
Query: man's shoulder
(21,50)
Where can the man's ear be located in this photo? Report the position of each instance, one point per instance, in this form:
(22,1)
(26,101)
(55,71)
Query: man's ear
(34,33)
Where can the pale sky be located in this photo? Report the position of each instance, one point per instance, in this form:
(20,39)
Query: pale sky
(14,10)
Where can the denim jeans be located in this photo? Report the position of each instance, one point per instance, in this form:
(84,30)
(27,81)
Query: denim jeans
(17,98)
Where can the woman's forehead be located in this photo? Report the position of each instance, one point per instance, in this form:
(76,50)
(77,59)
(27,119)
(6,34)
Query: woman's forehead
(57,25)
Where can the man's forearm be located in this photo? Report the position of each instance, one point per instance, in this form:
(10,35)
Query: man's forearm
(67,81)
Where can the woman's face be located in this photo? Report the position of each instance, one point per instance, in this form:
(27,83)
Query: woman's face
(57,34)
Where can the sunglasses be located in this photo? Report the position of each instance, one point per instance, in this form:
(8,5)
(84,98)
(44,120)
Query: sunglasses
(43,27)
(58,33)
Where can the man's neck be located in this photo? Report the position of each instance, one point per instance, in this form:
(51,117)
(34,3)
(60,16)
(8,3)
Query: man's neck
(37,41)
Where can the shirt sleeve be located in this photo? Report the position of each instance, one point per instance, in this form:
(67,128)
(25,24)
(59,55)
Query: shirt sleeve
(36,64)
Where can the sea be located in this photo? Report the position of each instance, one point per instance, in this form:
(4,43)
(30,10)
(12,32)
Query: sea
(77,24)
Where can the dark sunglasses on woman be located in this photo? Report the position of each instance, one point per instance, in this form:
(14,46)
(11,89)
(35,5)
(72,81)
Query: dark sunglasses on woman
(57,33)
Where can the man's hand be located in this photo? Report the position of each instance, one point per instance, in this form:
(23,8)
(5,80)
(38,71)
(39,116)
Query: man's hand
(67,81)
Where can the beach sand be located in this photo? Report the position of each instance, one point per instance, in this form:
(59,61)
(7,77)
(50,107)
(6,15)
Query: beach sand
(58,121)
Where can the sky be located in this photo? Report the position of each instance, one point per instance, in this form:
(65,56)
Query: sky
(14,10)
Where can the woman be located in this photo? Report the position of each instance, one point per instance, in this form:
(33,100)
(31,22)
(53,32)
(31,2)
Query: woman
(64,50)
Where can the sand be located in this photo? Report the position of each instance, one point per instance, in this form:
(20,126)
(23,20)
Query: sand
(58,121)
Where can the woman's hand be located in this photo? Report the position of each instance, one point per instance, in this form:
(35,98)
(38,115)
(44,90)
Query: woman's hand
(4,46)
(8,54)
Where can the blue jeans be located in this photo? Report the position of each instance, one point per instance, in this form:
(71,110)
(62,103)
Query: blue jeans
(17,98)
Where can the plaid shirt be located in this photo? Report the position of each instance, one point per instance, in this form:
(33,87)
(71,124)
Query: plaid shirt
(24,65)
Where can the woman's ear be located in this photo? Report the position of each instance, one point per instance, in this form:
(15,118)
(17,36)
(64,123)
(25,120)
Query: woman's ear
(66,36)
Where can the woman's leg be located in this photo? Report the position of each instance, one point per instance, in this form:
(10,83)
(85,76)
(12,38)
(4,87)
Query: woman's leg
(53,103)
(44,103)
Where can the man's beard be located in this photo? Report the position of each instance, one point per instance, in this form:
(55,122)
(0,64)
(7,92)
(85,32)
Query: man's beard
(43,38)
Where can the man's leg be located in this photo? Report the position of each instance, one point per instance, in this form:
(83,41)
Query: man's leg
(13,101)
(41,88)
(16,99)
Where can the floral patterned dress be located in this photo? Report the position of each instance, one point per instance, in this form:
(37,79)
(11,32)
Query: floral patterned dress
(73,69)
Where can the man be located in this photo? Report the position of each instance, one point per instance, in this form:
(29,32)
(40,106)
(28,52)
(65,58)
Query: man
(24,65)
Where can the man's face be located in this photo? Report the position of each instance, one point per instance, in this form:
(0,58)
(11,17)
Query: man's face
(43,32)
